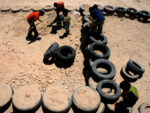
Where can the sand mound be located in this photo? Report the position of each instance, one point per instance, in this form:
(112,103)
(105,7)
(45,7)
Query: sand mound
(56,99)
(26,97)
(86,98)
(5,94)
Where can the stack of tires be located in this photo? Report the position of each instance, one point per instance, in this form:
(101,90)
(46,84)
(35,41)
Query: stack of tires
(132,71)
(63,56)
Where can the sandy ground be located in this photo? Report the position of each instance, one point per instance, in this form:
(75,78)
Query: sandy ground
(22,62)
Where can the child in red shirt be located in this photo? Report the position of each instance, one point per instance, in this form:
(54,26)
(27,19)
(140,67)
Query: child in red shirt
(31,19)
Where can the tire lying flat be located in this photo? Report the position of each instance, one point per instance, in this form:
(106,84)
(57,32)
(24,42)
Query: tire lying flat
(37,8)
(92,83)
(26,9)
(102,39)
(102,63)
(48,8)
(132,12)
(86,100)
(57,100)
(106,98)
(27,99)
(16,10)
(121,11)
(144,14)
(101,108)
(109,10)
(84,7)
(87,18)
(6,94)
(101,48)
(86,13)
(5,10)
(143,107)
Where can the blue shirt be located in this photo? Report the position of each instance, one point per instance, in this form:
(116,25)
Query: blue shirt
(97,15)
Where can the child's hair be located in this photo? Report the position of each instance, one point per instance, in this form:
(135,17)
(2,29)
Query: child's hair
(125,85)
(90,9)
(95,6)
(41,13)
(55,4)
(65,12)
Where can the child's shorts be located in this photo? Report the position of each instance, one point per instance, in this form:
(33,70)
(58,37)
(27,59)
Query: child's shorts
(66,27)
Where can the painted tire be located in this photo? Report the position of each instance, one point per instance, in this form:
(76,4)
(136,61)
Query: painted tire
(79,105)
(5,97)
(27,99)
(50,103)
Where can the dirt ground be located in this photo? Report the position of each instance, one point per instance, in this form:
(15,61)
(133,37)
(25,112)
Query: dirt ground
(22,61)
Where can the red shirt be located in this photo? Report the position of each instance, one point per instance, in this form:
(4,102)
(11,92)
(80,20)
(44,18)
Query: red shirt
(33,16)
(60,4)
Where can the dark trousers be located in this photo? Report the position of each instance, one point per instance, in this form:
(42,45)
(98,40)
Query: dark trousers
(58,10)
(32,29)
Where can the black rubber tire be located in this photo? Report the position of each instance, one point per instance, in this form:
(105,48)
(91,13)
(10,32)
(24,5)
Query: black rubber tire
(142,107)
(47,109)
(95,86)
(20,107)
(7,103)
(86,13)
(37,9)
(5,10)
(85,27)
(86,19)
(51,51)
(102,39)
(132,12)
(109,99)
(16,10)
(126,76)
(82,7)
(90,83)
(26,9)
(80,109)
(84,35)
(135,67)
(144,14)
(121,11)
(101,8)
(102,110)
(65,55)
(109,66)
(101,47)
(108,10)
(48,8)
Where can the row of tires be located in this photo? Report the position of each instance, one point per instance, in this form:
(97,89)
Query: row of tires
(120,11)
(28,99)
(27,9)
(97,53)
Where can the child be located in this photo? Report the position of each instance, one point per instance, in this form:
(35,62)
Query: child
(31,19)
(130,94)
(66,22)
(59,7)
(98,19)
